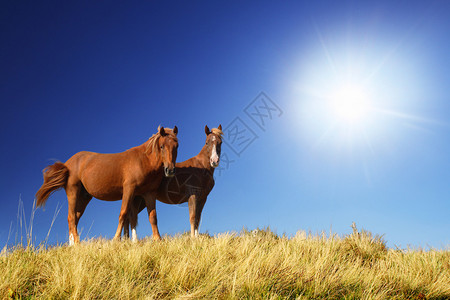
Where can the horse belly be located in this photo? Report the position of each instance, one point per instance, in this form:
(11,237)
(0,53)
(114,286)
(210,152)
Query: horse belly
(103,190)
(178,189)
(172,198)
(103,180)
(110,195)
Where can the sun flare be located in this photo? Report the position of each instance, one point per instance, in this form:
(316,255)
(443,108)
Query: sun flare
(349,103)
(352,99)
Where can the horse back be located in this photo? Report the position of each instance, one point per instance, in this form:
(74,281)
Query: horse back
(104,175)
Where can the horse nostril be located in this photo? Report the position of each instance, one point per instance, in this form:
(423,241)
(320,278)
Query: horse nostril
(169,171)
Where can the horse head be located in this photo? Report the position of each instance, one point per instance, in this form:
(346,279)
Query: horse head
(213,144)
(168,145)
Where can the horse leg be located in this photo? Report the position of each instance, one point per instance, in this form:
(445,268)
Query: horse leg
(192,202)
(195,210)
(198,214)
(132,217)
(150,202)
(81,204)
(126,225)
(127,197)
(126,228)
(72,192)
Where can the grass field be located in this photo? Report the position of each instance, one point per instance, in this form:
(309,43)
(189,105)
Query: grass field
(256,265)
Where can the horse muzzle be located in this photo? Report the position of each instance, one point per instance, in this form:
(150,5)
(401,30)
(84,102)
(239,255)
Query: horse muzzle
(169,172)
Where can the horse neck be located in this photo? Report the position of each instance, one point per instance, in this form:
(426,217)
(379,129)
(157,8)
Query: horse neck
(203,159)
(153,158)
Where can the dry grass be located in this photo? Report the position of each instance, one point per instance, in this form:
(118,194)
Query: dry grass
(256,265)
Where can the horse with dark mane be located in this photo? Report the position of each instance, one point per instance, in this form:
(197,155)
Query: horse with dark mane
(134,172)
(192,183)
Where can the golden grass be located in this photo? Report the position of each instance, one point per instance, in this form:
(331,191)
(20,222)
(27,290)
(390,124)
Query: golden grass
(256,265)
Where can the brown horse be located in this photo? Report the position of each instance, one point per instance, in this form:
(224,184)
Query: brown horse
(192,183)
(135,172)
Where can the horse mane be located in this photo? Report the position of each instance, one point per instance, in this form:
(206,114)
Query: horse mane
(217,131)
(152,143)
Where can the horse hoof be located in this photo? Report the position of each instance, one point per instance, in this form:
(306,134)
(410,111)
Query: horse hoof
(72,240)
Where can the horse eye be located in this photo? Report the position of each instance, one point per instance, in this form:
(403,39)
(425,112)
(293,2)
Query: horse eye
(162,146)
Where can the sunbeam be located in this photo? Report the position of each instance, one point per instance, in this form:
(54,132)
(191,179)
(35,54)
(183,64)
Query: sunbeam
(356,98)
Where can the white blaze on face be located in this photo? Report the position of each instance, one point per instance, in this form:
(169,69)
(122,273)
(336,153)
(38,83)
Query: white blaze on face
(196,232)
(134,237)
(71,240)
(214,157)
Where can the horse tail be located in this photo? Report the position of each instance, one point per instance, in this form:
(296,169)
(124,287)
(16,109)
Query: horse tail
(55,177)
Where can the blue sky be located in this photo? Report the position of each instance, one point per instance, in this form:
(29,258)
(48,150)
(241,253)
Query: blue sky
(102,76)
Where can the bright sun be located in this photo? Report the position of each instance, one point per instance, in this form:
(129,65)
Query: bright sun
(349,104)
(353,93)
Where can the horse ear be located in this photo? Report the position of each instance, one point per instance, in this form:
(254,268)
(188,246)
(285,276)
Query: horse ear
(162,132)
(207,131)
(220,127)
(175,130)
